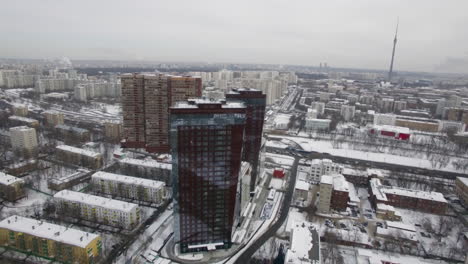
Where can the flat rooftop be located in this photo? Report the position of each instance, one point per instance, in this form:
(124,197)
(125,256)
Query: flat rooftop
(7,179)
(50,231)
(128,179)
(81,151)
(94,200)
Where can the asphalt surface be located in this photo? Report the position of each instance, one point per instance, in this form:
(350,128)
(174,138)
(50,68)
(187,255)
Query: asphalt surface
(284,210)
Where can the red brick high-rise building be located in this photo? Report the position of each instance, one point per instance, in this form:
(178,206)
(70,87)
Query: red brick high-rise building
(146,99)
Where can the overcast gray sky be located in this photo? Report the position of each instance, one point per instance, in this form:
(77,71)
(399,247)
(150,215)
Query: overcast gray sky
(352,33)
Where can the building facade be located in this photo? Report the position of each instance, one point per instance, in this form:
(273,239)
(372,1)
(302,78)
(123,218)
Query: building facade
(97,209)
(11,188)
(112,131)
(78,156)
(129,187)
(53,118)
(146,99)
(322,167)
(206,145)
(461,189)
(147,168)
(67,245)
(255,102)
(24,139)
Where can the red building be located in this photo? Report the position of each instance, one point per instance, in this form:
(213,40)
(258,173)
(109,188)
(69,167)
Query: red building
(401,133)
(146,99)
(255,102)
(206,145)
(278,173)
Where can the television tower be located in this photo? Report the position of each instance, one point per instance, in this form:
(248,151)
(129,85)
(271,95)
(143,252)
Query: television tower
(393,54)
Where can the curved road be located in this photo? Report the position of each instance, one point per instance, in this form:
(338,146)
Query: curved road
(284,210)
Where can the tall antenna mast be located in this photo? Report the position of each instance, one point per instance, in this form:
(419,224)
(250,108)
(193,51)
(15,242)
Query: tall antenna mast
(393,52)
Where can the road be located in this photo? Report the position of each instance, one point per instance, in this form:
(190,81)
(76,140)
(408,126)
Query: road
(284,210)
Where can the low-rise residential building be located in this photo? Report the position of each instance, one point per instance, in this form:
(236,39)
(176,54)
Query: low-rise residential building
(68,181)
(387,212)
(147,168)
(97,209)
(461,189)
(11,188)
(23,121)
(51,241)
(313,124)
(24,140)
(21,167)
(72,135)
(322,167)
(129,187)
(53,118)
(430,202)
(78,156)
(20,110)
(301,190)
(304,244)
(112,130)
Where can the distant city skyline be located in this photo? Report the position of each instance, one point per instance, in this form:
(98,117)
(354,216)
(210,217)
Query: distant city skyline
(348,34)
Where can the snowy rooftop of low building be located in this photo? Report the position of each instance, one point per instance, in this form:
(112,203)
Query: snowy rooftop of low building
(402,234)
(463,180)
(147,163)
(72,129)
(396,129)
(375,185)
(326,179)
(7,179)
(385,207)
(340,183)
(402,226)
(94,200)
(433,196)
(302,185)
(375,172)
(319,120)
(128,179)
(20,128)
(282,119)
(81,151)
(22,118)
(46,230)
(305,244)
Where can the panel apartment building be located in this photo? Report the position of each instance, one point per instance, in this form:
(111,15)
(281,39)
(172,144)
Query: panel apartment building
(78,156)
(52,241)
(206,145)
(97,209)
(11,188)
(146,99)
(129,187)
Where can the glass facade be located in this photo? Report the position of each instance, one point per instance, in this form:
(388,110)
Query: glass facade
(206,144)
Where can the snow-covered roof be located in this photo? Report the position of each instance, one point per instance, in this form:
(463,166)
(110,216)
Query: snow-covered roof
(147,163)
(7,179)
(384,207)
(375,172)
(81,151)
(399,233)
(128,179)
(340,183)
(375,185)
(326,179)
(94,200)
(434,196)
(463,180)
(305,244)
(395,129)
(302,185)
(316,120)
(46,230)
(402,226)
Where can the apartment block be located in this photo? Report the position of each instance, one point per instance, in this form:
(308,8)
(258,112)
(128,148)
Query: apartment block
(129,187)
(147,168)
(255,102)
(97,209)
(51,241)
(23,121)
(146,99)
(53,118)
(322,167)
(78,156)
(73,135)
(461,189)
(430,202)
(206,146)
(20,110)
(11,188)
(24,139)
(112,130)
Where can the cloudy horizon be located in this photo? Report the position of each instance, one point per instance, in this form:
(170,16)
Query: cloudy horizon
(351,34)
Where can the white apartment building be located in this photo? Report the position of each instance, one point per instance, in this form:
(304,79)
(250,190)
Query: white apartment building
(319,106)
(319,168)
(347,112)
(23,138)
(53,118)
(129,187)
(326,189)
(97,209)
(384,119)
